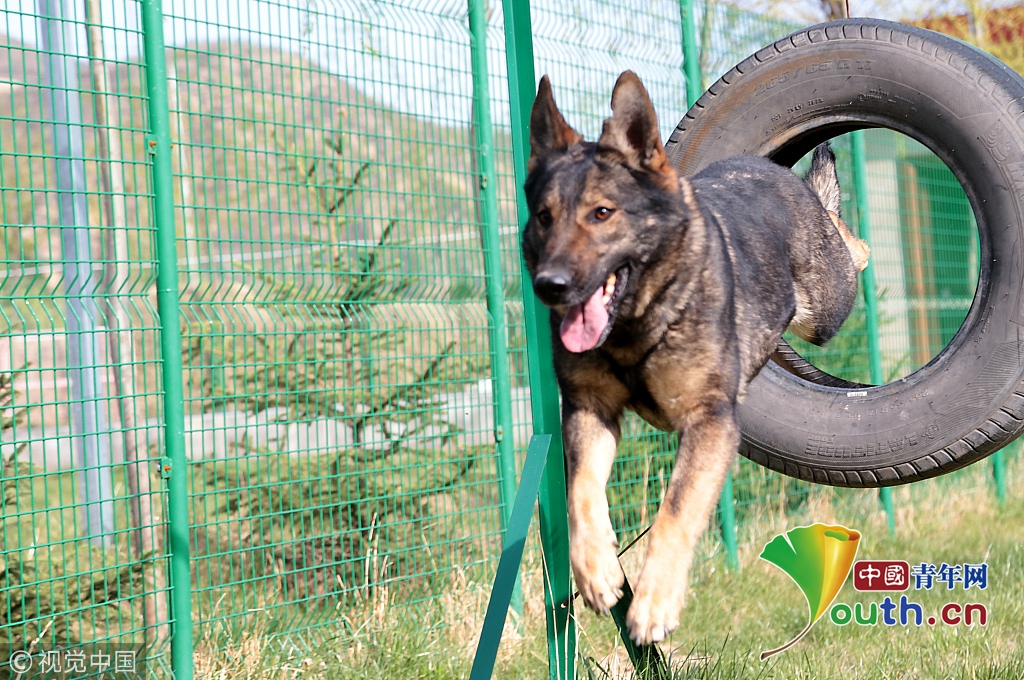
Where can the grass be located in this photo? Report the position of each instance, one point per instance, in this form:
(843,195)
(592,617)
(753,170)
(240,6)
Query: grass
(324,534)
(735,616)
(730,617)
(62,589)
(278,546)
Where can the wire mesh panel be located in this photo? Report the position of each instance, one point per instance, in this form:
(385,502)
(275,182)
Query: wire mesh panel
(334,173)
(338,409)
(82,517)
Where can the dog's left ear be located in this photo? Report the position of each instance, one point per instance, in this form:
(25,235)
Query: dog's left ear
(633,130)
(548,130)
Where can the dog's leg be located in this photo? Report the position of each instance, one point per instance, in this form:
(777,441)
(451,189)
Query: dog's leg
(707,447)
(590,440)
(860,251)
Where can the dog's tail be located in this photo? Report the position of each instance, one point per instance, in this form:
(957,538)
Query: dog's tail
(822,177)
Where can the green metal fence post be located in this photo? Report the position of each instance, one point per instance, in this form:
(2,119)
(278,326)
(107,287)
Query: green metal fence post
(694,88)
(860,184)
(999,476)
(691,60)
(554,525)
(175,464)
(491,240)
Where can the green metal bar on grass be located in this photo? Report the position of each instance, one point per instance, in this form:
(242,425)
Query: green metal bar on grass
(648,660)
(491,240)
(554,526)
(159,146)
(511,557)
(857,154)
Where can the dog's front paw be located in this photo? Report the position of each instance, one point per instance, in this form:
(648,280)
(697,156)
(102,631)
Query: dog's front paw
(657,603)
(595,565)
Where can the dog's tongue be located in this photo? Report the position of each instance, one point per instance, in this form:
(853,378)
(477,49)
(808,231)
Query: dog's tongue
(584,323)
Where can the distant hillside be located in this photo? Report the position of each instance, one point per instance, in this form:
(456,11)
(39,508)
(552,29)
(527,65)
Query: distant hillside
(286,179)
(266,146)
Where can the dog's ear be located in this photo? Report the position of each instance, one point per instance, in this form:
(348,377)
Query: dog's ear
(633,130)
(548,129)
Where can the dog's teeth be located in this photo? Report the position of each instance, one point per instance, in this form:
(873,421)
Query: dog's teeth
(609,288)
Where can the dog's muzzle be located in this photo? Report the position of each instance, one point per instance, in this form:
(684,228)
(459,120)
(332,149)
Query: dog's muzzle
(552,284)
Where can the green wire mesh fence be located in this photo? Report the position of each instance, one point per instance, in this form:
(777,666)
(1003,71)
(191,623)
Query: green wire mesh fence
(351,428)
(83,524)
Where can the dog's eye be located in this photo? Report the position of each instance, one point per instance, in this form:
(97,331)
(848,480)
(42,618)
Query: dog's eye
(602,213)
(544,217)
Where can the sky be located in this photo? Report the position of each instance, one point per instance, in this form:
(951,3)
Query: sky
(894,10)
(20,23)
(411,54)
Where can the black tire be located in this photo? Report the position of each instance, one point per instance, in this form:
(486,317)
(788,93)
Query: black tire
(969,110)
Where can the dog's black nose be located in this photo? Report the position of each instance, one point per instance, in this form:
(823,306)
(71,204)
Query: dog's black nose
(551,284)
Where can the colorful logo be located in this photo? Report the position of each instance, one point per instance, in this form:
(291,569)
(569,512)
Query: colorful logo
(818,558)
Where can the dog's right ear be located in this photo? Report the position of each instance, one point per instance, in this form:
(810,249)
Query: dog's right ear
(633,130)
(548,130)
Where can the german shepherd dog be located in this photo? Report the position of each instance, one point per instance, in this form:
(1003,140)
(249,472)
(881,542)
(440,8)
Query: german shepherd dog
(667,296)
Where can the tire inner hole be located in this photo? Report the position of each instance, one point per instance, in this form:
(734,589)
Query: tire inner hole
(925,263)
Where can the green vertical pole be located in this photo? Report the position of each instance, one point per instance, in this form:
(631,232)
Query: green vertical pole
(999,475)
(860,185)
(491,241)
(727,523)
(554,525)
(159,146)
(691,60)
(694,88)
